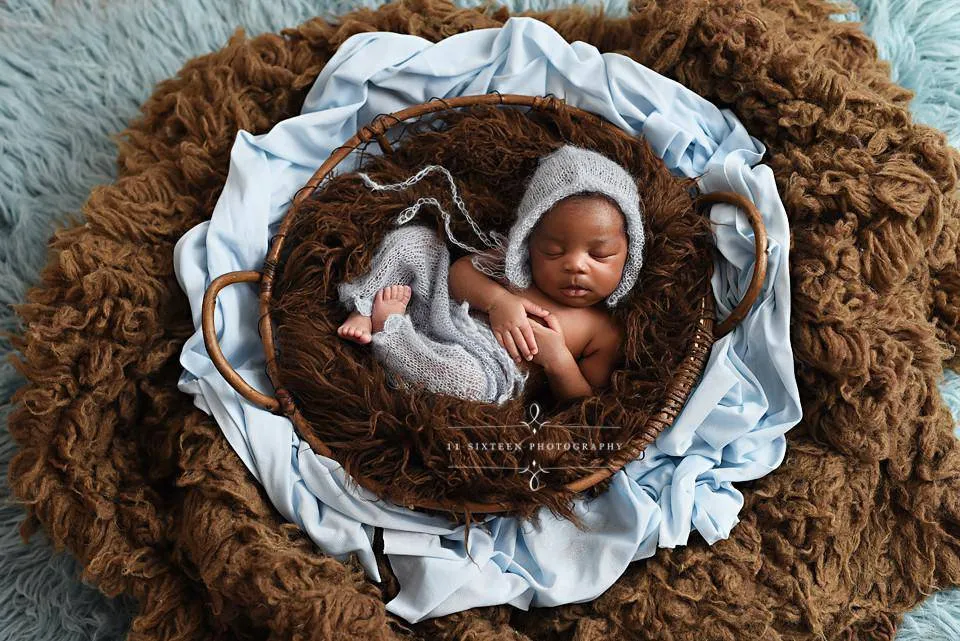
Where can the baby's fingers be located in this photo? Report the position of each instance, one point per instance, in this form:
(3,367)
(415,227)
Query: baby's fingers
(511,347)
(552,322)
(533,308)
(521,341)
(531,340)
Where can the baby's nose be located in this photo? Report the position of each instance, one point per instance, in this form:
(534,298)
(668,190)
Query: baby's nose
(576,264)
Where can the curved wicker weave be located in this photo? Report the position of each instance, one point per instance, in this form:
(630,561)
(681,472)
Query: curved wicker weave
(684,378)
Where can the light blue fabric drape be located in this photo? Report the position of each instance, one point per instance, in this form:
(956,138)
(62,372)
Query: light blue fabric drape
(731,430)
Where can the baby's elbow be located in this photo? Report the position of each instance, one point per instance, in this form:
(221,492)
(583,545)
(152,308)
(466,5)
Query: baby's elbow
(461,265)
(455,278)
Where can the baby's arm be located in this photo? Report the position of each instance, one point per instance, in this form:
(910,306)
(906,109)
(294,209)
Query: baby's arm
(600,357)
(508,312)
(467,283)
(571,379)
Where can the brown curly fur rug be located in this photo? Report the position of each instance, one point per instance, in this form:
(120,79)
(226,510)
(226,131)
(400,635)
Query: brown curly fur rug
(409,448)
(858,524)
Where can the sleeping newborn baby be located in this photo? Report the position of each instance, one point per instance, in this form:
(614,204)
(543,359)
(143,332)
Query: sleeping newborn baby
(577,243)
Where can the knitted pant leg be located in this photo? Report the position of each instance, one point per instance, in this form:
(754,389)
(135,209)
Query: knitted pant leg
(411,255)
(439,367)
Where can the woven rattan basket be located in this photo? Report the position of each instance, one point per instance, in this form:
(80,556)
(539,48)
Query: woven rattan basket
(684,378)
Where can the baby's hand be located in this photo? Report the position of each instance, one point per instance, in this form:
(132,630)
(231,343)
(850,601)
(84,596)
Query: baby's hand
(509,322)
(552,342)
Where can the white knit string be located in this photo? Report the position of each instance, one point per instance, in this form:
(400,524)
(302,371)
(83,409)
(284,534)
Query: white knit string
(407,214)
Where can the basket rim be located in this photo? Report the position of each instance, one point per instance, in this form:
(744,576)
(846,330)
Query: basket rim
(677,391)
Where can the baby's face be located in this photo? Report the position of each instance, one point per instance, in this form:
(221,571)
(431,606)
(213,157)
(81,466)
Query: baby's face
(582,242)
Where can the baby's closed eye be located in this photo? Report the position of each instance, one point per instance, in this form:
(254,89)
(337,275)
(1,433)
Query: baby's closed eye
(597,254)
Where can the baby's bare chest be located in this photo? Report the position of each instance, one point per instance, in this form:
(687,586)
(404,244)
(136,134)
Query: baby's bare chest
(579,325)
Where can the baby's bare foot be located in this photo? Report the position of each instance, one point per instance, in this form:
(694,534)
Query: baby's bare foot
(356,328)
(389,300)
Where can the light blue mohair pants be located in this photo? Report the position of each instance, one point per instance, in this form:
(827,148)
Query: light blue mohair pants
(437,342)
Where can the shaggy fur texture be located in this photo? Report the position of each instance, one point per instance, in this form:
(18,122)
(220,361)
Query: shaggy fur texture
(404,440)
(856,526)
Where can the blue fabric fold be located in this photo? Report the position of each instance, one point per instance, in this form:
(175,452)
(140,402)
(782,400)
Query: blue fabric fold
(731,429)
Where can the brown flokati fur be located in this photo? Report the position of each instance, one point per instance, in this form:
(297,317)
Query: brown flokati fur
(857,525)
(408,441)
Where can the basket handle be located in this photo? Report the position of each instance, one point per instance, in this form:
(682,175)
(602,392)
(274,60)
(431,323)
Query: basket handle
(213,346)
(759,266)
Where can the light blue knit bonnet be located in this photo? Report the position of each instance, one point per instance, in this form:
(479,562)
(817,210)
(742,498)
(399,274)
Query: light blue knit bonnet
(565,172)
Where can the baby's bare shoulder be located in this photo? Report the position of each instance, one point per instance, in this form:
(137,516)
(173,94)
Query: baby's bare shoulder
(605,332)
(600,317)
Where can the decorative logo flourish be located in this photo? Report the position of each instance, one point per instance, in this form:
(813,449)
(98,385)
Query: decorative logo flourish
(534,411)
(534,468)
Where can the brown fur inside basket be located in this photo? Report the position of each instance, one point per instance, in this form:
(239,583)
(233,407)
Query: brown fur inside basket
(402,439)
